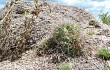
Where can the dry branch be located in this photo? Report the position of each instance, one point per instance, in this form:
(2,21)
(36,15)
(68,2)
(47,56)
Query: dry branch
(7,14)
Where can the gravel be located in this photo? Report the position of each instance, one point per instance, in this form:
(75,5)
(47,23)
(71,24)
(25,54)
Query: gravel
(43,28)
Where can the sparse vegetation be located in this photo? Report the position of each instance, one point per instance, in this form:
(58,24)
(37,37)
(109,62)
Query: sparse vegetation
(64,67)
(90,33)
(21,39)
(104,54)
(17,33)
(105,18)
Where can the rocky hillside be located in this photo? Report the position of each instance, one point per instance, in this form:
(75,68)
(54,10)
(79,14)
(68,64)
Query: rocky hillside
(93,35)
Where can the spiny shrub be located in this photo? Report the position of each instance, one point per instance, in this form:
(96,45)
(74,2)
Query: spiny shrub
(66,37)
(64,67)
(105,18)
(103,53)
(65,40)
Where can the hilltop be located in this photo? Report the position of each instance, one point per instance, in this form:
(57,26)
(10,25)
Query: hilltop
(52,15)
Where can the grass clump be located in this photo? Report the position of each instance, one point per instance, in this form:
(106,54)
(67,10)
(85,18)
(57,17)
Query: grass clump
(105,18)
(90,33)
(64,67)
(103,53)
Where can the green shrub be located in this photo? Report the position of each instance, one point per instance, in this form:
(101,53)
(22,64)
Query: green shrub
(64,67)
(65,40)
(105,18)
(66,36)
(103,53)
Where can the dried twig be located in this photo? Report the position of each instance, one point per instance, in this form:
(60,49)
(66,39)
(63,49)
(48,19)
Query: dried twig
(7,14)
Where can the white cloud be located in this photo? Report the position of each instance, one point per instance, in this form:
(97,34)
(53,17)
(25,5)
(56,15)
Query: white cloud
(95,3)
(70,2)
(102,4)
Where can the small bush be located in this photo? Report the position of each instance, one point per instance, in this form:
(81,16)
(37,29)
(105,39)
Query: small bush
(66,36)
(105,18)
(64,67)
(103,53)
(65,40)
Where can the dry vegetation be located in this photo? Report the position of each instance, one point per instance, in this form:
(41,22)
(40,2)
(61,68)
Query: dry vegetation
(65,41)
(12,47)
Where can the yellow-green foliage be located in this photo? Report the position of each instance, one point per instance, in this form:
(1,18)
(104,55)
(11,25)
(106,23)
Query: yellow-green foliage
(67,37)
(105,54)
(64,67)
(105,17)
(108,68)
(90,33)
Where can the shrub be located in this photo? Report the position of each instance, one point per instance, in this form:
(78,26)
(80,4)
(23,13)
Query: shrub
(103,53)
(105,18)
(66,36)
(65,40)
(64,67)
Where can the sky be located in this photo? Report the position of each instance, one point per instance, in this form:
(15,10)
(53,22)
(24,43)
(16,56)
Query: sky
(2,3)
(93,6)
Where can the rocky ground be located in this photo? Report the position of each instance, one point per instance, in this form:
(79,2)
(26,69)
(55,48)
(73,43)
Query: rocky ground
(43,28)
